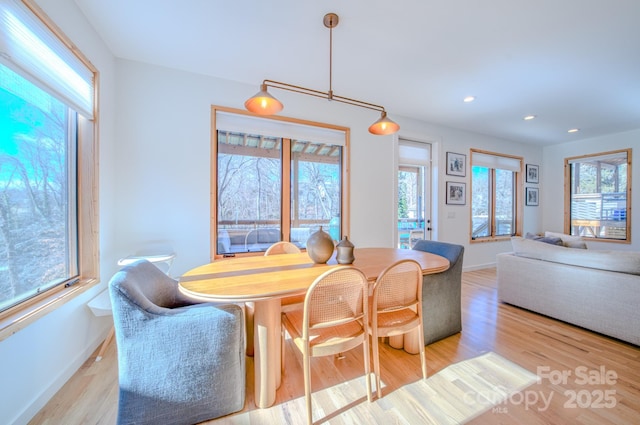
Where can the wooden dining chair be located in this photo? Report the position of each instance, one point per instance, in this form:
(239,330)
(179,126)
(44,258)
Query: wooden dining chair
(396,308)
(294,301)
(334,320)
(282,247)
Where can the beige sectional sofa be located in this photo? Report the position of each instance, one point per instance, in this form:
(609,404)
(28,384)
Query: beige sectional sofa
(595,289)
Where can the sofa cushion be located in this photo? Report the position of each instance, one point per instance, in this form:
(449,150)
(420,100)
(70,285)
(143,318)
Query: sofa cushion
(569,241)
(616,261)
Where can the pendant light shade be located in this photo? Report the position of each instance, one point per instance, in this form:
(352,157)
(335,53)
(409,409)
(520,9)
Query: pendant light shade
(262,103)
(383,126)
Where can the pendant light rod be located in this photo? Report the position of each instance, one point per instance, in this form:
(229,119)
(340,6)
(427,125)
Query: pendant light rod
(263,103)
(330,21)
(324,95)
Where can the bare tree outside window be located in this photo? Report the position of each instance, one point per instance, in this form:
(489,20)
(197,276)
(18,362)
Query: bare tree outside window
(250,175)
(37,210)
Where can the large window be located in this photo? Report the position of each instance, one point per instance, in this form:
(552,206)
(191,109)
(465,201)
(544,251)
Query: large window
(47,234)
(495,195)
(275,180)
(599,195)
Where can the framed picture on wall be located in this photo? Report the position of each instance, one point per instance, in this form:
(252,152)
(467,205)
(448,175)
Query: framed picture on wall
(531,196)
(456,164)
(531,172)
(456,193)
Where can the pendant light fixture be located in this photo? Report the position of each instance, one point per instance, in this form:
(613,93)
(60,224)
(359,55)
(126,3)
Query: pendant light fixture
(263,103)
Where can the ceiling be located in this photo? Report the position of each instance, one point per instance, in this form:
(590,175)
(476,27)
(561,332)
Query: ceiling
(572,63)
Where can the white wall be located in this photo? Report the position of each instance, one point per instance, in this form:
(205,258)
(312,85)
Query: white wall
(38,360)
(163,156)
(163,151)
(553,171)
(454,221)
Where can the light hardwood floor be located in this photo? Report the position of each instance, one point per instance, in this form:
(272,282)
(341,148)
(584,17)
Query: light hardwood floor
(583,377)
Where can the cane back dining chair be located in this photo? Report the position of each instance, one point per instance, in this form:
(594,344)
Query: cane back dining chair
(396,308)
(292,302)
(282,247)
(334,320)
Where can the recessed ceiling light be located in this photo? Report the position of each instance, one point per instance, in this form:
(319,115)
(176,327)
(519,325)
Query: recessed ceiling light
(528,117)
(469,99)
(573,130)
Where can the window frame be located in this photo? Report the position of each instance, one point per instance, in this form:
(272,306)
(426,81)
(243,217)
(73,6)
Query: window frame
(21,315)
(517,202)
(286,178)
(568,193)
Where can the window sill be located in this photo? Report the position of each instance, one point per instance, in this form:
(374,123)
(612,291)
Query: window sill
(19,317)
(618,241)
(491,239)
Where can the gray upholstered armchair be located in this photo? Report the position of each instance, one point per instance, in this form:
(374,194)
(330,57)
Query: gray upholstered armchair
(179,362)
(441,308)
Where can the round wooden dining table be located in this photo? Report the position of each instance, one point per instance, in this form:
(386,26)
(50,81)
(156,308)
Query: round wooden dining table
(264,280)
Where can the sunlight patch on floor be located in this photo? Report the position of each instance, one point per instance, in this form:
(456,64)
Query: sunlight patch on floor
(455,395)
(458,393)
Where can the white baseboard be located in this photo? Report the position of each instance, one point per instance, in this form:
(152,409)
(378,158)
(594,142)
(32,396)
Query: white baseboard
(65,374)
(479,267)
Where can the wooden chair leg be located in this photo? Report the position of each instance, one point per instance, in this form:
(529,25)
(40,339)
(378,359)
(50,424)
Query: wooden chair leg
(106,342)
(375,349)
(282,339)
(307,388)
(249,308)
(367,364)
(423,356)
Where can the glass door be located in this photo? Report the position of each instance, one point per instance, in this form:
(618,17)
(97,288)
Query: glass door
(414,193)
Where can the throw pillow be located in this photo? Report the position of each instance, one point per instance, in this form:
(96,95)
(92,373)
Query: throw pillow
(569,241)
(529,248)
(546,239)
(575,244)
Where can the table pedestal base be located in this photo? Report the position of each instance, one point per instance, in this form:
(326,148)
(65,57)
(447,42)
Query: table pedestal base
(266,354)
(410,341)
